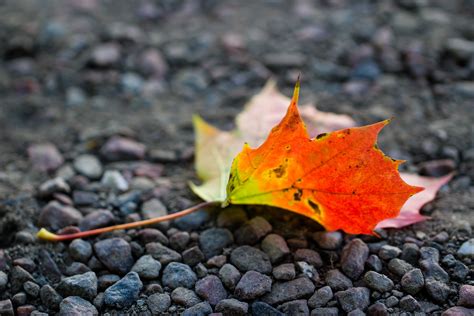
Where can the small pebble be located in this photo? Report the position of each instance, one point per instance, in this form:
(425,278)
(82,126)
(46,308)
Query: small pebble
(229,275)
(178,275)
(353,258)
(328,240)
(80,250)
(275,247)
(147,267)
(378,282)
(413,281)
(185,297)
(466,296)
(284,272)
(211,289)
(247,258)
(115,254)
(354,298)
(158,303)
(232,306)
(125,292)
(252,285)
(76,306)
(321,297)
(203,308)
(337,280)
(409,304)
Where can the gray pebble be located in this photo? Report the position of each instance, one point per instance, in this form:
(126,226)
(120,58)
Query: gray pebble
(297,307)
(115,254)
(49,297)
(80,250)
(284,272)
(326,311)
(328,240)
(437,290)
(467,249)
(321,297)
(56,216)
(378,282)
(211,289)
(310,256)
(162,253)
(354,298)
(213,240)
(413,281)
(76,306)
(125,292)
(307,270)
(377,309)
(83,285)
(291,290)
(147,267)
(88,165)
(399,267)
(233,307)
(429,253)
(353,258)
(409,304)
(433,270)
(96,219)
(388,252)
(31,288)
(158,303)
(275,247)
(252,231)
(229,275)
(466,295)
(179,240)
(231,217)
(200,309)
(261,308)
(410,253)
(337,280)
(3,280)
(185,297)
(391,301)
(252,285)
(178,275)
(193,256)
(374,263)
(106,280)
(247,258)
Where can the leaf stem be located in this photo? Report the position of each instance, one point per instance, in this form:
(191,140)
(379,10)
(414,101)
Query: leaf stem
(46,235)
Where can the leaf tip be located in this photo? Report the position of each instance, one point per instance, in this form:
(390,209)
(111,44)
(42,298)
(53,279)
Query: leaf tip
(296,91)
(44,234)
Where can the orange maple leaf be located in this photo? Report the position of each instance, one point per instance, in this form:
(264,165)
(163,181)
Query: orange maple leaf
(340,179)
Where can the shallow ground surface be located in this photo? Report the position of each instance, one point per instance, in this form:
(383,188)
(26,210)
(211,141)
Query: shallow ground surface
(76,74)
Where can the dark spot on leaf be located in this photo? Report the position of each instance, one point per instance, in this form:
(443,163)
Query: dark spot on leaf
(297,195)
(315,207)
(279,171)
(321,135)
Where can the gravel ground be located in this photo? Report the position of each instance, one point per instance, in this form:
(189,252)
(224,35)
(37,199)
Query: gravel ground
(95,129)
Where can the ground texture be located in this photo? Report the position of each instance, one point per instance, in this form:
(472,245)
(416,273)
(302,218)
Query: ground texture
(96,99)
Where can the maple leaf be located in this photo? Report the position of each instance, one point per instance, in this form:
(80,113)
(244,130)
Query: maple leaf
(340,179)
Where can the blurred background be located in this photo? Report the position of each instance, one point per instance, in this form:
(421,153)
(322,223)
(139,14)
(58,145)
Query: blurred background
(73,73)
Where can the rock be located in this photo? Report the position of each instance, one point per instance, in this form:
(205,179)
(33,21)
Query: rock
(252,231)
(391,301)
(49,297)
(278,60)
(284,272)
(216,261)
(88,165)
(328,311)
(132,84)
(48,266)
(466,296)
(193,256)
(467,249)
(115,254)
(460,48)
(297,307)
(121,148)
(309,256)
(337,280)
(429,253)
(179,241)
(80,250)
(409,304)
(353,258)
(31,288)
(82,285)
(437,290)
(321,297)
(96,219)
(125,292)
(231,217)
(261,308)
(158,303)
(413,281)
(377,309)
(458,311)
(147,267)
(56,185)
(388,252)
(85,198)
(410,253)
(232,306)
(399,267)
(178,275)
(252,285)
(378,282)
(148,235)
(366,70)
(328,240)
(354,298)
(56,216)
(3,281)
(105,55)
(291,290)
(374,263)
(19,299)
(185,297)
(211,289)
(107,280)
(275,247)
(307,270)
(432,269)
(76,306)
(213,240)
(76,268)
(229,276)
(45,157)
(192,221)
(114,180)
(247,258)
(162,253)
(18,276)
(200,309)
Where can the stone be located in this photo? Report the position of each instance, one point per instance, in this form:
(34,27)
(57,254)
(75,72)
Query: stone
(82,285)
(374,263)
(107,280)
(229,275)
(275,247)
(96,219)
(458,311)
(321,297)
(459,271)
(76,306)
(261,308)
(80,250)
(162,253)
(437,290)
(125,292)
(216,261)
(115,254)
(328,311)
(56,216)
(212,241)
(179,241)
(232,306)
(148,235)
(461,48)
(337,280)
(388,252)
(466,295)
(291,290)
(31,288)
(200,309)
(433,270)
(467,249)
(297,307)
(76,268)
(409,303)
(378,282)
(49,297)
(211,289)
(89,166)
(185,297)
(252,231)
(193,256)
(114,180)
(56,185)
(284,272)
(158,303)
(410,253)
(178,275)
(377,309)
(391,301)
(309,256)
(399,267)
(45,157)
(147,267)
(3,281)
(413,281)
(18,276)
(155,208)
(247,258)
(353,258)
(429,253)
(307,270)
(121,148)
(192,221)
(328,240)
(85,198)
(252,285)
(354,298)
(231,217)
(105,55)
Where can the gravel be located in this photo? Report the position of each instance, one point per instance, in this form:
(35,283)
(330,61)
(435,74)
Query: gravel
(185,297)
(232,306)
(466,296)
(229,275)
(337,280)
(89,166)
(321,297)
(328,240)
(115,254)
(253,231)
(178,275)
(158,303)
(82,285)
(162,253)
(211,289)
(212,241)
(467,249)
(125,292)
(252,285)
(76,306)
(80,250)
(413,281)
(200,309)
(247,258)
(354,298)
(275,247)
(284,272)
(291,290)
(353,257)
(378,282)
(147,267)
